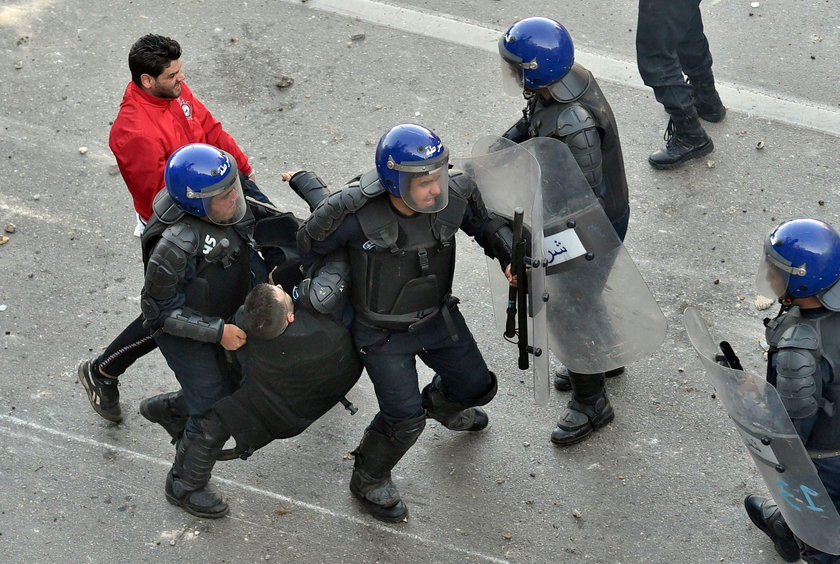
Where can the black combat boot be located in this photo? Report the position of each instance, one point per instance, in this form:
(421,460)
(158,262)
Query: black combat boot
(187,484)
(588,410)
(167,410)
(706,99)
(376,456)
(563,384)
(457,416)
(765,514)
(685,139)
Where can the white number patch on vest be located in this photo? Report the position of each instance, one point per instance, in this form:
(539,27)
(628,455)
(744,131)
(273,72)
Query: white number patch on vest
(209,243)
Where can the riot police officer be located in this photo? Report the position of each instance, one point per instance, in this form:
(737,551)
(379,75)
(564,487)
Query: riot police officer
(398,223)
(801,267)
(197,249)
(565,102)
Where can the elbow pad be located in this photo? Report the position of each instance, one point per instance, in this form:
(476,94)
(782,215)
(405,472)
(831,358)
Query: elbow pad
(585,146)
(185,322)
(310,188)
(325,292)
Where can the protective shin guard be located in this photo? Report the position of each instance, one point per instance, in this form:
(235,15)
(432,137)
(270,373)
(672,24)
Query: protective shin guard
(457,416)
(187,484)
(588,410)
(167,410)
(765,514)
(376,456)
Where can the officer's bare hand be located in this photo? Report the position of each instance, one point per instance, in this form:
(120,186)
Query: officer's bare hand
(233,337)
(511,278)
(286,176)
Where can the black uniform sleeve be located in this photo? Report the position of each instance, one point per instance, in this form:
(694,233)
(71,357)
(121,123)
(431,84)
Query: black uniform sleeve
(490,231)
(518,131)
(172,264)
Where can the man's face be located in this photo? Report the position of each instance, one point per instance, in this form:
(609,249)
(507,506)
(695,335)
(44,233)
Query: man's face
(424,190)
(224,206)
(168,83)
(778,281)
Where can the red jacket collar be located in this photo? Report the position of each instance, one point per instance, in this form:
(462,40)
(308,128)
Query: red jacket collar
(138,92)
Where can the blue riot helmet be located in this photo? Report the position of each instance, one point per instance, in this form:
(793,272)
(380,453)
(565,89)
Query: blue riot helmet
(412,164)
(801,258)
(536,53)
(204,182)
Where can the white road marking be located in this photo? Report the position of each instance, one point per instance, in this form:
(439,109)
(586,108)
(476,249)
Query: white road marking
(738,97)
(94,444)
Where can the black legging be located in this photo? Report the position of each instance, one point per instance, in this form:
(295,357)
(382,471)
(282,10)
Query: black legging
(131,344)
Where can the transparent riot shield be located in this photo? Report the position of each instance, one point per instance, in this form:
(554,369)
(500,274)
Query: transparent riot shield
(772,441)
(508,178)
(600,312)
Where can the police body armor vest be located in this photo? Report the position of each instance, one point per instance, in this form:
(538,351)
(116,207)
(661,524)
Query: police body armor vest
(579,87)
(220,286)
(826,432)
(290,381)
(405,272)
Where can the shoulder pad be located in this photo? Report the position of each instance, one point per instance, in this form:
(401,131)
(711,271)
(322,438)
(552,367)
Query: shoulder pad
(572,86)
(795,363)
(800,336)
(831,297)
(332,210)
(165,209)
(461,184)
(182,236)
(574,118)
(370,185)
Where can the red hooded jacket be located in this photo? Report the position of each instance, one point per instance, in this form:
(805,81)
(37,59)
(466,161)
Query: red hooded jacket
(149,129)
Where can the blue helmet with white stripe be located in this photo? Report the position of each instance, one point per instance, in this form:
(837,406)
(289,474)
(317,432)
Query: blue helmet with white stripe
(801,259)
(204,181)
(412,164)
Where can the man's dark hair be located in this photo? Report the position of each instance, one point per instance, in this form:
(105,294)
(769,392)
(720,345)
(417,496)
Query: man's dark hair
(151,54)
(266,317)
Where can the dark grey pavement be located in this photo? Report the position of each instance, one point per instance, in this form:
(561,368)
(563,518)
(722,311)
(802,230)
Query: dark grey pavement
(663,483)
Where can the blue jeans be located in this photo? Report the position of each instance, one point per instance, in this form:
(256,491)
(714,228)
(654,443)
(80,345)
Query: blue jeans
(197,367)
(389,358)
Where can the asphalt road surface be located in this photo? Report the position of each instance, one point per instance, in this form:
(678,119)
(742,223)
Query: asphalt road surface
(663,483)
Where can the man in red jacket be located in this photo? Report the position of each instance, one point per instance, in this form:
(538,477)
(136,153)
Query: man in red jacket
(158,114)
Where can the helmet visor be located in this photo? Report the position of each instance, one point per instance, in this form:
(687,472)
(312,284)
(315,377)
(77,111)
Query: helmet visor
(227,206)
(426,188)
(773,277)
(512,78)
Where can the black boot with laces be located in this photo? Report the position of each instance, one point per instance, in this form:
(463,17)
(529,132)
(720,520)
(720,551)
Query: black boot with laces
(685,139)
